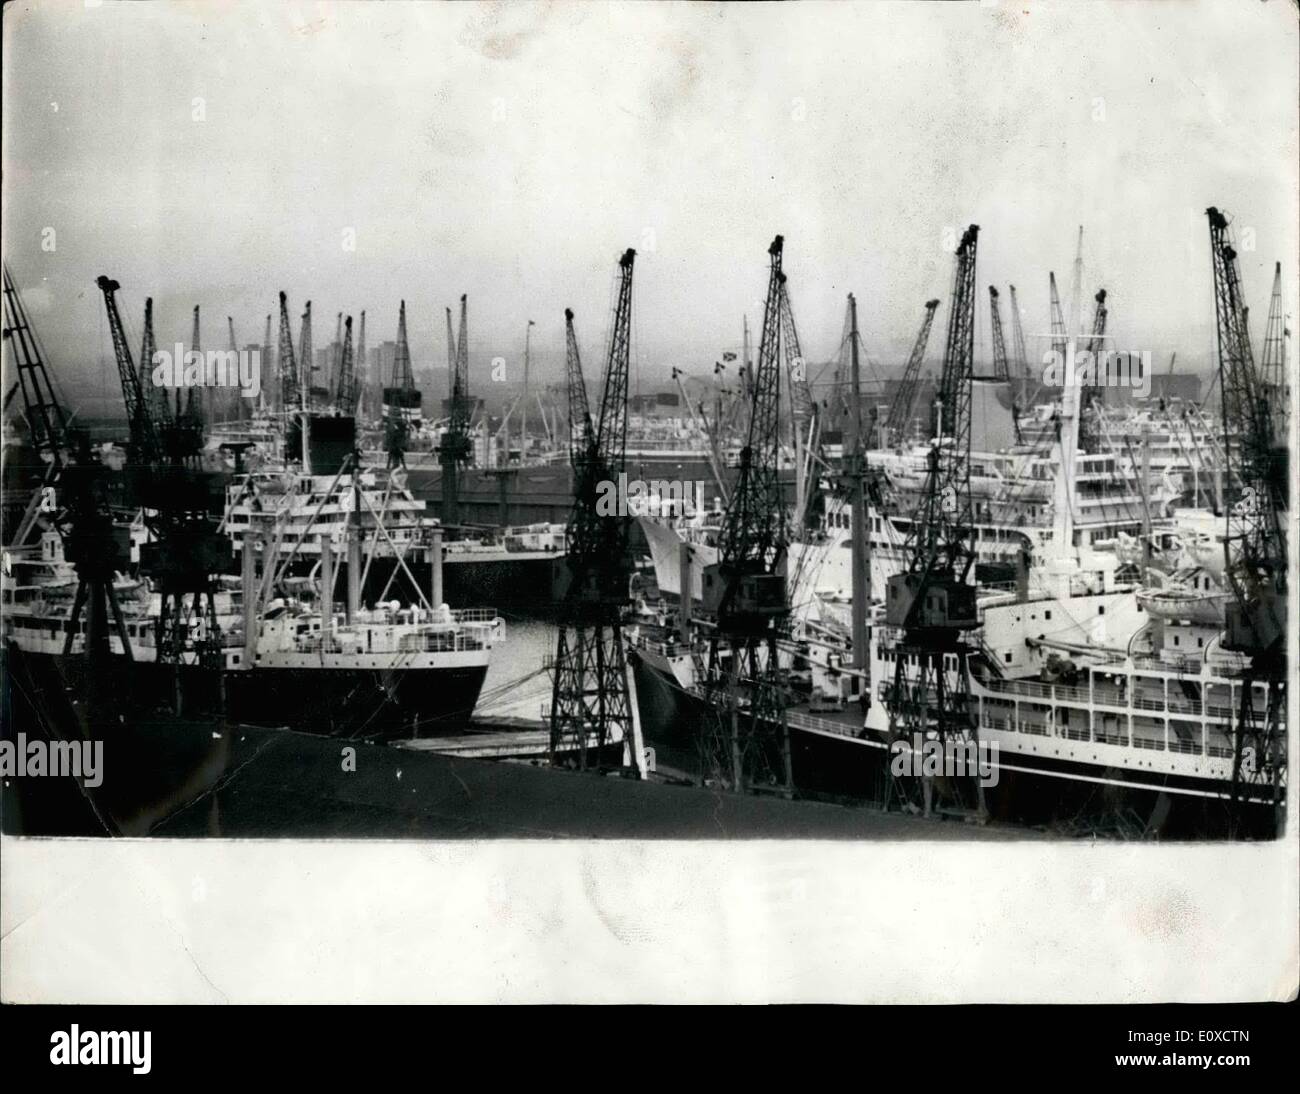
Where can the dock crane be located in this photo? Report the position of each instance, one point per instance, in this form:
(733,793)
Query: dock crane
(290,382)
(173,492)
(306,358)
(336,360)
(74,499)
(745,746)
(1001,369)
(47,422)
(713,432)
(1277,384)
(455,450)
(1060,338)
(900,410)
(345,395)
(1094,393)
(145,448)
(266,401)
(160,402)
(806,422)
(1018,344)
(364,397)
(1255,547)
(318,380)
(593,695)
(839,406)
(196,399)
(931,604)
(401,399)
(236,408)
(84,521)
(581,433)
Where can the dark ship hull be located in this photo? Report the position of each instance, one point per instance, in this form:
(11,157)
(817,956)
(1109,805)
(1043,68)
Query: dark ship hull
(850,766)
(362,703)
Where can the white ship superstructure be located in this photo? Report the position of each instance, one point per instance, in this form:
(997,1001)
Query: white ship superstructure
(301,509)
(1083,673)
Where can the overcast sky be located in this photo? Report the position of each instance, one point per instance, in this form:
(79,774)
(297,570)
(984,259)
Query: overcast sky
(216,153)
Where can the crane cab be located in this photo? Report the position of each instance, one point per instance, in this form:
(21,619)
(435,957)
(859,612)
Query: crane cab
(1256,629)
(756,596)
(914,602)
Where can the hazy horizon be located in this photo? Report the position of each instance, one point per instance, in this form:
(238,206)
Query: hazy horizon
(218,155)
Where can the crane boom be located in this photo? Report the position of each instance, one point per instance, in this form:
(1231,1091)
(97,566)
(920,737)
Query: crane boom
(1093,394)
(231,399)
(1059,336)
(1000,369)
(160,403)
(900,410)
(45,415)
(1273,374)
(364,398)
(346,397)
(460,403)
(581,433)
(144,437)
(290,383)
(802,405)
(611,431)
(266,401)
(306,358)
(1018,338)
(46,421)
(753,533)
(711,433)
(807,426)
(336,359)
(1025,379)
(195,412)
(400,400)
(455,448)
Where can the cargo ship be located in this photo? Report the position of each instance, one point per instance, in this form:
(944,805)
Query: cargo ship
(1111,701)
(384,671)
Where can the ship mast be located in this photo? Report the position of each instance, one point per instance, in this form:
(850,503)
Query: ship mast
(861,560)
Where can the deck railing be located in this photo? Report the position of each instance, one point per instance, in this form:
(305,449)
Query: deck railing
(664,649)
(474,615)
(812,721)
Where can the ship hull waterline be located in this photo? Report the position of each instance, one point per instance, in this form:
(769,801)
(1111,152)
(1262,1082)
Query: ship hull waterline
(1032,791)
(369,703)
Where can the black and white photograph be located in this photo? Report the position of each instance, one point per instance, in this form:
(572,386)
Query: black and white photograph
(712,464)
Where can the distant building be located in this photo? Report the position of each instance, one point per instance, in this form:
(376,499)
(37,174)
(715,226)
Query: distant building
(381,362)
(660,401)
(476,406)
(1178,386)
